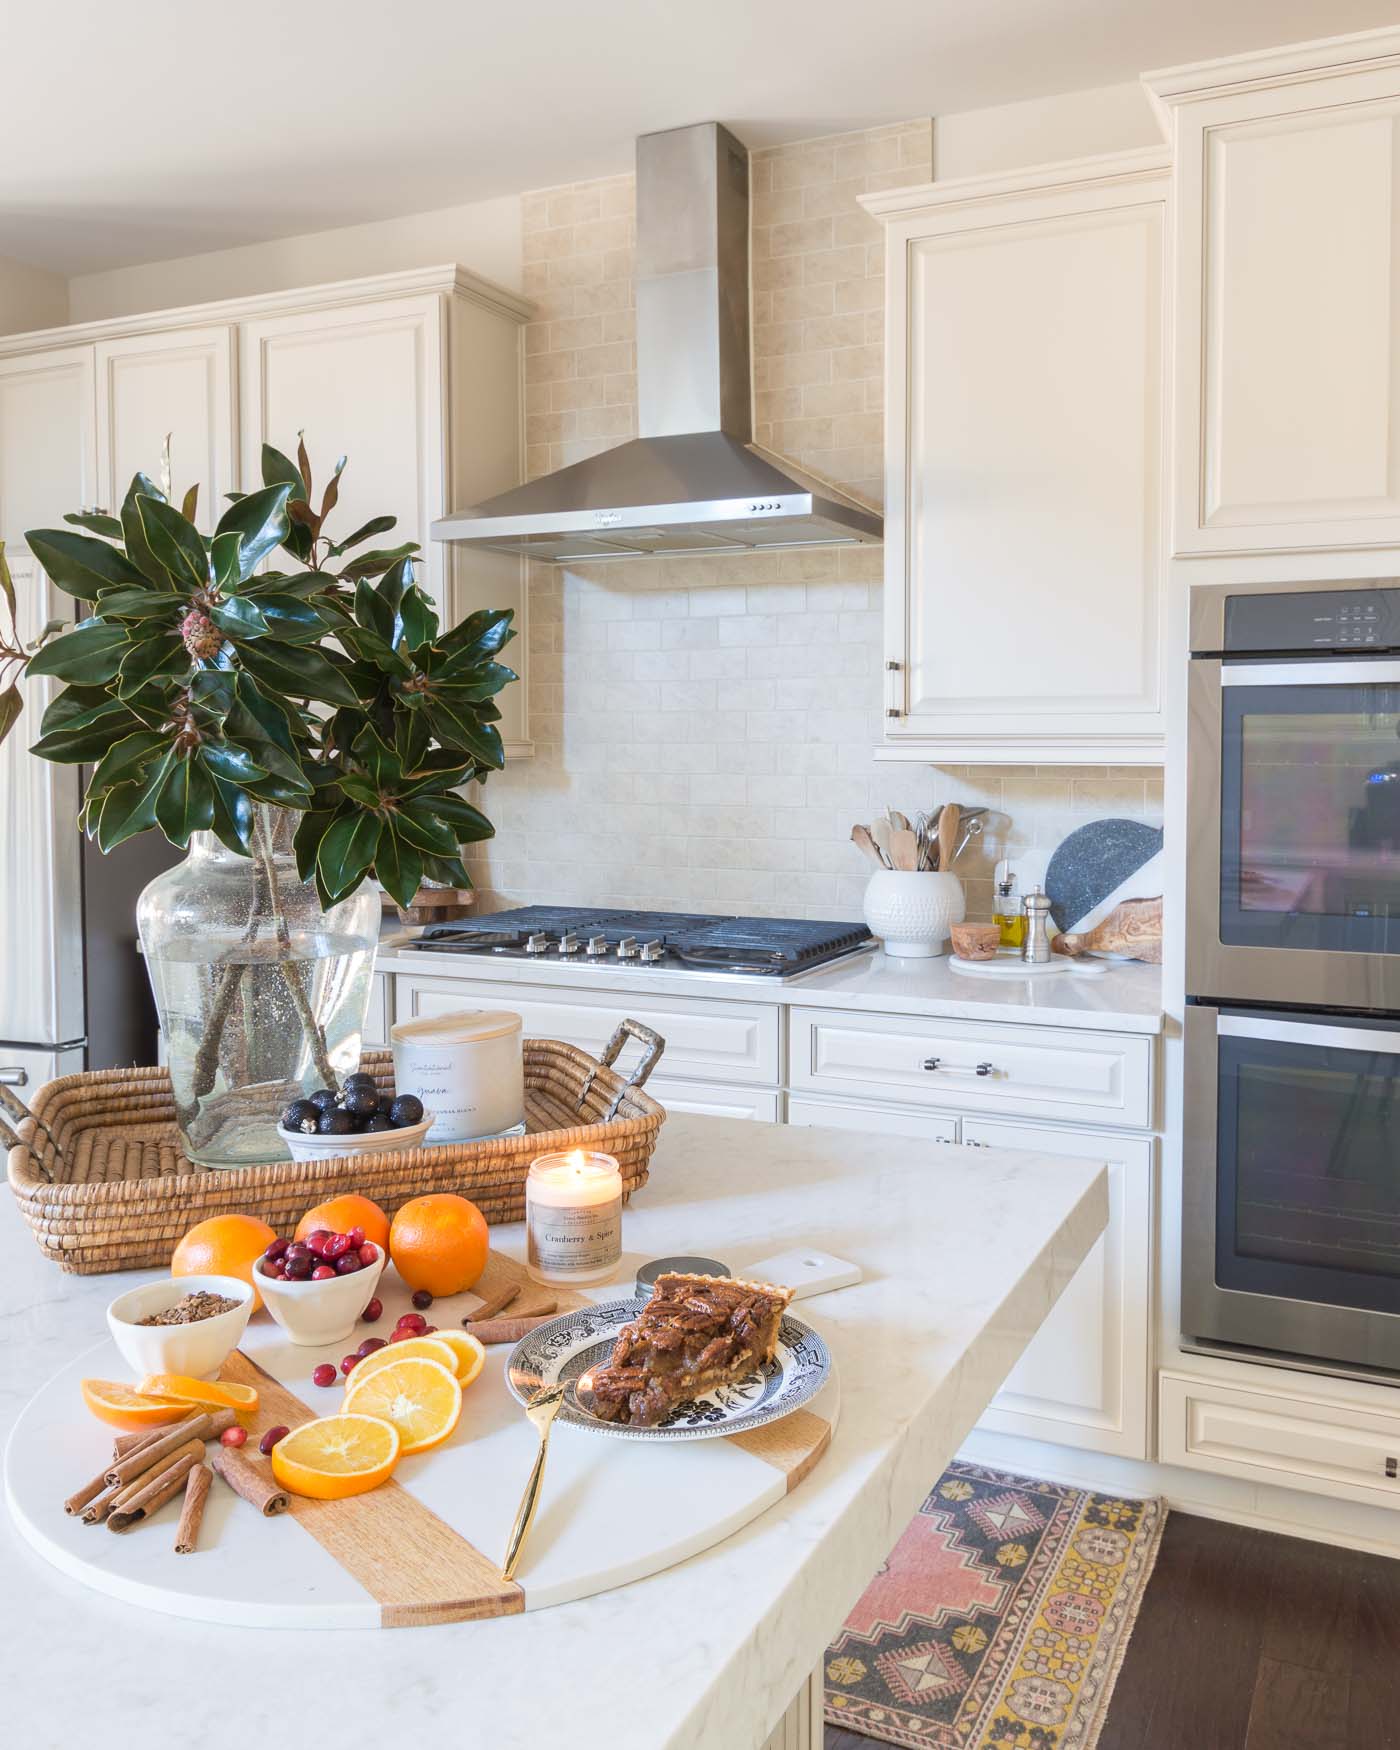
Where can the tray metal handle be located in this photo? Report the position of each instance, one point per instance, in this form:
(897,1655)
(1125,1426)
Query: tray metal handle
(653,1045)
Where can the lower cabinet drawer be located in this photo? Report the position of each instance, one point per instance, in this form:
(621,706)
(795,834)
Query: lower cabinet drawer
(705,1041)
(1004,1069)
(712,1100)
(1350,1453)
(874,1120)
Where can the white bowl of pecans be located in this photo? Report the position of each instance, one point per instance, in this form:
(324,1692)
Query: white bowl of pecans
(186,1324)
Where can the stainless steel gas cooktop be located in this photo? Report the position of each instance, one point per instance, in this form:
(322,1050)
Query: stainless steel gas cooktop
(664,941)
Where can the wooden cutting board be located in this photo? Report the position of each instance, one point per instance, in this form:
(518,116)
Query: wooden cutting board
(424,1547)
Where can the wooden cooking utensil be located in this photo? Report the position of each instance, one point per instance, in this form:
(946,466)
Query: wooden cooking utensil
(948,822)
(900,822)
(880,832)
(904,849)
(861,839)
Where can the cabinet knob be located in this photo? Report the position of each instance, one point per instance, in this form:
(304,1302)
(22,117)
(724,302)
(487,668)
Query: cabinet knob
(932,1062)
(1392,1470)
(986,1069)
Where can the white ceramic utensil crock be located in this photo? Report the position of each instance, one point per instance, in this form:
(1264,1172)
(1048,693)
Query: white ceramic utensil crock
(912,911)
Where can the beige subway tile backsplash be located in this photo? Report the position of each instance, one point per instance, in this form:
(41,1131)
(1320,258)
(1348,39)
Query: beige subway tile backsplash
(704,726)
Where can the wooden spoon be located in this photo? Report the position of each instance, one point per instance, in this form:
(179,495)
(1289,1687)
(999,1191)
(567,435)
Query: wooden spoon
(861,839)
(880,832)
(904,849)
(948,822)
(900,822)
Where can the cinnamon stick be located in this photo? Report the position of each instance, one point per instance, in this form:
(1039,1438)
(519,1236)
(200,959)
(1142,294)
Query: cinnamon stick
(249,1479)
(100,1506)
(141,1498)
(192,1513)
(492,1331)
(167,1441)
(490,1309)
(87,1494)
(125,1444)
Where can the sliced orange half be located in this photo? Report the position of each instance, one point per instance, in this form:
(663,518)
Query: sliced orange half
(122,1406)
(421,1398)
(337,1456)
(426,1348)
(468,1353)
(211,1394)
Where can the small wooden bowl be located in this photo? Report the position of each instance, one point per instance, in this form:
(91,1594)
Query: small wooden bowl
(437,905)
(976,941)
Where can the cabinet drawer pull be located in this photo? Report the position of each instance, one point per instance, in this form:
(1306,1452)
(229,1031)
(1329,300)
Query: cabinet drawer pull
(931,1062)
(986,1069)
(981,1069)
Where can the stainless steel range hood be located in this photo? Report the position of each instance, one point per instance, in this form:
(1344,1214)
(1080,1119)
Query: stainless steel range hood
(693,482)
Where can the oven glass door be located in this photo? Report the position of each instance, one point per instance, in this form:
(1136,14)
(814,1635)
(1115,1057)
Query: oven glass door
(1308,1162)
(1310,806)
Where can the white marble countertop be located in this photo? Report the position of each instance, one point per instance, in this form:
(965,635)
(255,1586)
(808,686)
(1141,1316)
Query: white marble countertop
(964,1252)
(1126,997)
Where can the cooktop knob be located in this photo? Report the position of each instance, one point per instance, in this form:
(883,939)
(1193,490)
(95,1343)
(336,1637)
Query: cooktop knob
(597,945)
(653,950)
(568,943)
(627,948)
(537,944)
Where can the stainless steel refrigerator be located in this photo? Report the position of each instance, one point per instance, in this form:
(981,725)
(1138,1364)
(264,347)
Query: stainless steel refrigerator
(73,990)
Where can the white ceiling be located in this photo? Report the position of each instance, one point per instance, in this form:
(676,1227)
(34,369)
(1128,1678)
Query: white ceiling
(140,133)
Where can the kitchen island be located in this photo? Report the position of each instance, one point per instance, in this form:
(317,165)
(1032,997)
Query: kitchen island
(963,1255)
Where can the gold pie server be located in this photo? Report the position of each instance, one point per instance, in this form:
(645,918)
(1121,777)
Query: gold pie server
(541,1409)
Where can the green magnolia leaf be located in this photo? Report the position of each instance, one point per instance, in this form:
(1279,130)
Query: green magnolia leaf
(481,634)
(234,764)
(96,522)
(240,617)
(126,759)
(302,674)
(190,503)
(373,612)
(347,852)
(88,656)
(468,823)
(7,588)
(398,866)
(137,604)
(472,681)
(360,790)
(377,525)
(331,496)
(80,707)
(457,726)
(290,621)
(301,584)
(394,584)
(79,564)
(133,535)
(185,803)
(175,543)
(11,704)
(278,470)
(212,692)
(378,559)
(451,871)
(378,758)
(224,558)
(163,654)
(375,651)
(131,808)
(418,619)
(279,791)
(417,827)
(233,816)
(311,829)
(261,519)
(269,718)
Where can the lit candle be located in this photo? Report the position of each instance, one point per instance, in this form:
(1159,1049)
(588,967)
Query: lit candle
(573,1217)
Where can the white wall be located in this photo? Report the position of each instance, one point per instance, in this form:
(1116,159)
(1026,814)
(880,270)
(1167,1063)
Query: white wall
(1074,124)
(30,297)
(483,236)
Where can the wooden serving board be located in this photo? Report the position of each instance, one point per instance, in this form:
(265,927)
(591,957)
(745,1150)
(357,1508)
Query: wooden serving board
(424,1547)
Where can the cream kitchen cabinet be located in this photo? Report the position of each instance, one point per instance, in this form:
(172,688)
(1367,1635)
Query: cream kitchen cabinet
(179,383)
(1024,517)
(48,461)
(1287,307)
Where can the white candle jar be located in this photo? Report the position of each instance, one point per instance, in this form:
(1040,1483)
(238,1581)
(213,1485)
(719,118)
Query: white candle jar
(467,1068)
(573,1217)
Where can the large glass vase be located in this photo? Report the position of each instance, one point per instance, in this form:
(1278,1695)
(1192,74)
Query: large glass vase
(262,995)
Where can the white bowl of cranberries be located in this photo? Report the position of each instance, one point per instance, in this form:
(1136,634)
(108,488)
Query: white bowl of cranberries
(353,1119)
(317,1287)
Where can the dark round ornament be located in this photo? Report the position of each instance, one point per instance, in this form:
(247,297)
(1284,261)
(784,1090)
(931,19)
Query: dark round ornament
(301,1115)
(324,1098)
(406,1109)
(336,1123)
(380,1121)
(361,1102)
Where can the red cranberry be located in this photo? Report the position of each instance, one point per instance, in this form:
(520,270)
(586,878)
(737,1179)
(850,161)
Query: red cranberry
(234,1436)
(369,1253)
(316,1238)
(356,1237)
(427,1330)
(375,1310)
(270,1439)
(402,1334)
(276,1249)
(335,1246)
(322,1273)
(347,1362)
(422,1299)
(412,1321)
(325,1374)
(348,1263)
(297,1265)
(369,1346)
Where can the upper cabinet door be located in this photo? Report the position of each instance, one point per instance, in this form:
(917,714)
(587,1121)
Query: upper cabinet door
(1287,307)
(1024,536)
(179,383)
(363,381)
(47,461)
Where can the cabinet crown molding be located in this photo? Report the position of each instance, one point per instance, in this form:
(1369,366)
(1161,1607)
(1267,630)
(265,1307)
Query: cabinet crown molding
(1363,51)
(1103,170)
(449,277)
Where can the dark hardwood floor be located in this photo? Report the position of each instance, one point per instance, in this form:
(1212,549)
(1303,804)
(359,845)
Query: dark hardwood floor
(1248,1641)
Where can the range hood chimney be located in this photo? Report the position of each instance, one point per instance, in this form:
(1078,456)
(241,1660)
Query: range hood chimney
(694,481)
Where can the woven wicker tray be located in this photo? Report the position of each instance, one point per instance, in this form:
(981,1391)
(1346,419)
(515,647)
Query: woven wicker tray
(99,1175)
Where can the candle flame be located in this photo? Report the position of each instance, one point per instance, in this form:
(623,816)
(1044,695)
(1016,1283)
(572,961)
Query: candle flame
(576,1160)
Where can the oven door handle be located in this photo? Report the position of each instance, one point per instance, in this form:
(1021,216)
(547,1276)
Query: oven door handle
(1309,1033)
(1342,671)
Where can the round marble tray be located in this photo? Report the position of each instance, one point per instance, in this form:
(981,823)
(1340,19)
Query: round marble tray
(611,1511)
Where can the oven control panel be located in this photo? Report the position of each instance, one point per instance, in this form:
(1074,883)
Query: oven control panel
(1366,617)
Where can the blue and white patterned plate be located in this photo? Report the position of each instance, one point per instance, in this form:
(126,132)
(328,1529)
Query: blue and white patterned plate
(575,1341)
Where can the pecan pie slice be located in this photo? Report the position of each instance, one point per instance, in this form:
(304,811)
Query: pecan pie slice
(695,1333)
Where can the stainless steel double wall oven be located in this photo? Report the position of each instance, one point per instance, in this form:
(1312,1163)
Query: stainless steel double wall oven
(1291,1173)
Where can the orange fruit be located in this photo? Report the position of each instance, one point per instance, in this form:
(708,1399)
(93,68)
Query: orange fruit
(468,1353)
(421,1398)
(209,1394)
(339,1214)
(122,1406)
(439,1242)
(337,1456)
(225,1245)
(429,1348)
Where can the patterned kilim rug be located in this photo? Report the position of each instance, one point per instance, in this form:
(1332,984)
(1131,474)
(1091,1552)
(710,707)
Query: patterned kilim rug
(1000,1619)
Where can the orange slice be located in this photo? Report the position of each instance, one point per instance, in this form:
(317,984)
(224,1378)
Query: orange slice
(434,1348)
(421,1398)
(337,1456)
(468,1353)
(122,1406)
(215,1394)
